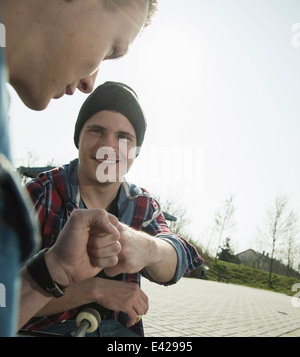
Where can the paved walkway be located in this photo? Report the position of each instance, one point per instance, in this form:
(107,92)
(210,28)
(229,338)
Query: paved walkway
(195,307)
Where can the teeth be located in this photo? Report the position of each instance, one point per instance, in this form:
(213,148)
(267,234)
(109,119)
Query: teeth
(109,162)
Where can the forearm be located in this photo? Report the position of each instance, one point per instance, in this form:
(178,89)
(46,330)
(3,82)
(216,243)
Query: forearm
(165,261)
(77,294)
(32,298)
(114,295)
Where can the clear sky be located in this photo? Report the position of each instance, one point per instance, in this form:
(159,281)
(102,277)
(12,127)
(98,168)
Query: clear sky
(219,81)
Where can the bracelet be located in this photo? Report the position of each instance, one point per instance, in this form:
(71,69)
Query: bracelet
(38,270)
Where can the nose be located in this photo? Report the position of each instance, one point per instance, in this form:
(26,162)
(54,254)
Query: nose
(108,148)
(86,85)
(110,141)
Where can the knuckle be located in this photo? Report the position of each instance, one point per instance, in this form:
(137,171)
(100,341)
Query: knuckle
(108,262)
(115,236)
(114,260)
(118,247)
(75,214)
(102,212)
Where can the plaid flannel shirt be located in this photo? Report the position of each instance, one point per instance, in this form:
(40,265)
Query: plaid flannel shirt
(53,208)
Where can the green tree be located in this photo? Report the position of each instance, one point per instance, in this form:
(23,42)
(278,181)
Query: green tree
(227,252)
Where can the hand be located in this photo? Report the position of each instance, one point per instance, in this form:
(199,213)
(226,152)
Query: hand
(88,242)
(121,296)
(138,251)
(143,251)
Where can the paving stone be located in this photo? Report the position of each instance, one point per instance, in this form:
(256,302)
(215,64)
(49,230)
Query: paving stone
(195,307)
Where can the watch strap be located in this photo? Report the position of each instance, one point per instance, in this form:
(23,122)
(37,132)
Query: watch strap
(38,270)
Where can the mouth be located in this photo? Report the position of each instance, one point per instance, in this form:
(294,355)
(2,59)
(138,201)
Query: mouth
(106,161)
(68,90)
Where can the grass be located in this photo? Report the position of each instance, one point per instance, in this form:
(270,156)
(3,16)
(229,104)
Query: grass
(242,275)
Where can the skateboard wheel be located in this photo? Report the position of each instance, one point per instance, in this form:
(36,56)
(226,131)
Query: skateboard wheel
(92,316)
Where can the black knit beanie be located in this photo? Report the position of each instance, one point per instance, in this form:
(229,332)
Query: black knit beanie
(113,96)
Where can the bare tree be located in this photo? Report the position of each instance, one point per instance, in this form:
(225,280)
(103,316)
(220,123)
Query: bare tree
(290,249)
(278,226)
(181,225)
(169,206)
(29,159)
(224,222)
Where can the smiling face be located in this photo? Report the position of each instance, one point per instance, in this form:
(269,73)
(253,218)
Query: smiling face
(65,44)
(107,148)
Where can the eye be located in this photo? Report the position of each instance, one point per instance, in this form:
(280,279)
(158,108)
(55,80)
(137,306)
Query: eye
(118,50)
(123,137)
(95,130)
(113,54)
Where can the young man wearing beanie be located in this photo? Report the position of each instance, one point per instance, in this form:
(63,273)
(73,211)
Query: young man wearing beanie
(111,118)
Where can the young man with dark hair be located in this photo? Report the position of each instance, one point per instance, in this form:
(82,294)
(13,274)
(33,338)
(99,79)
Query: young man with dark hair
(109,132)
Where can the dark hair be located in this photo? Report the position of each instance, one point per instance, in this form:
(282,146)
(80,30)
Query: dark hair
(113,4)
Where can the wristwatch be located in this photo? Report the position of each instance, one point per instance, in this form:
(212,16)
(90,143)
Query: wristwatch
(38,270)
